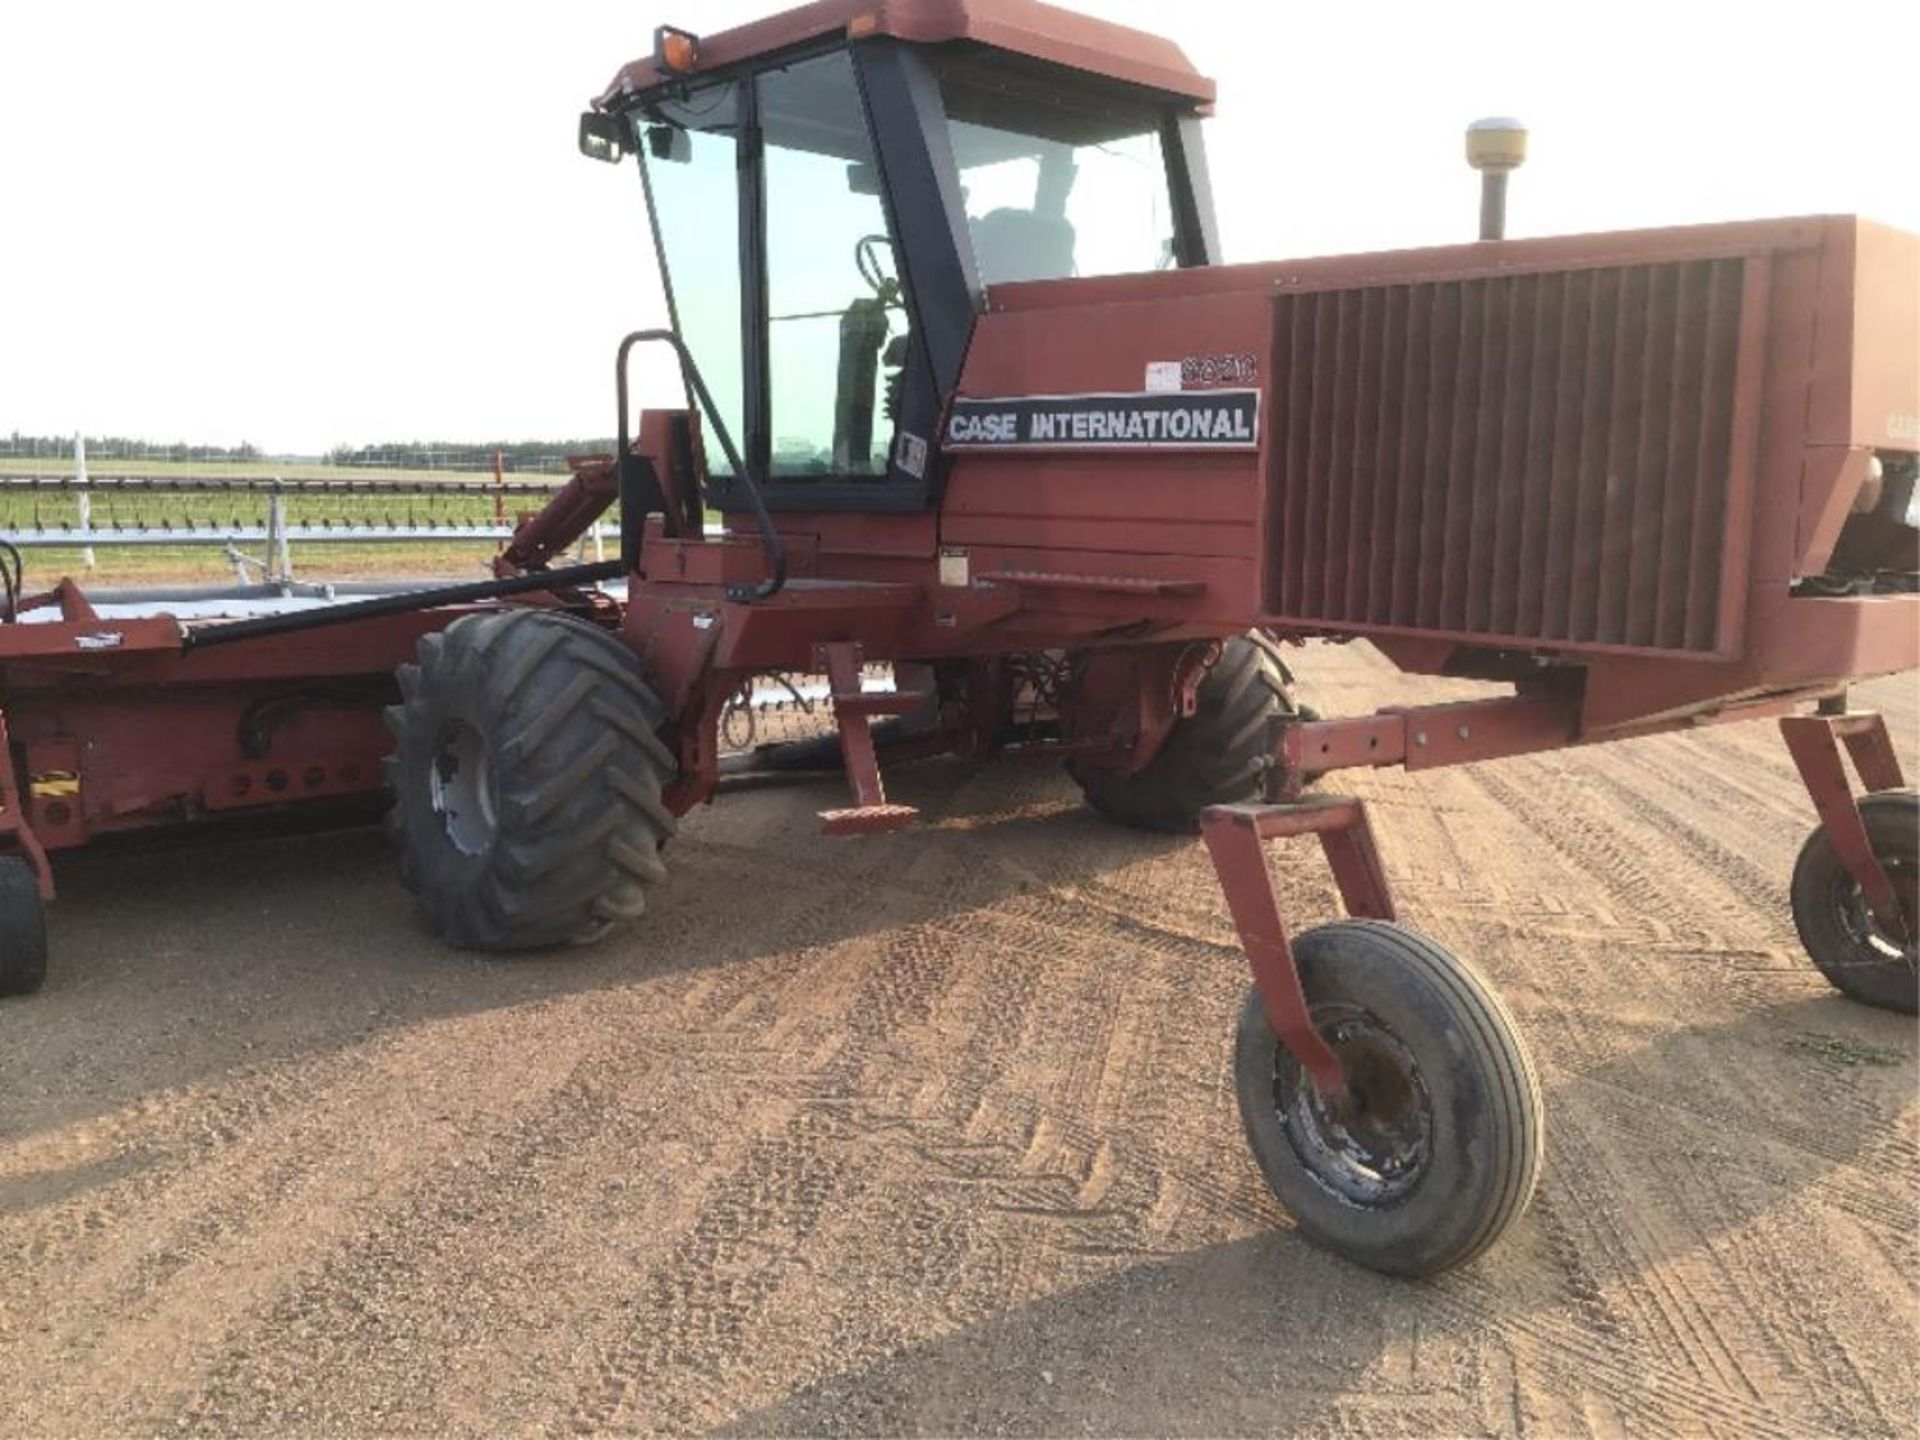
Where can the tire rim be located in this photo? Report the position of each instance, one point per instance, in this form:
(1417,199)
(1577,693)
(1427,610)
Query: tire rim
(1370,1147)
(1875,945)
(460,788)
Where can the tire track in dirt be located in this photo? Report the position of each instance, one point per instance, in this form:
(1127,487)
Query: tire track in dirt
(837,1107)
(1697,1341)
(702,1297)
(1623,865)
(214,1232)
(921,1143)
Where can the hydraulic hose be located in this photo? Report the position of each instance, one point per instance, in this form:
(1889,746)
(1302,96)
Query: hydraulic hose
(231,631)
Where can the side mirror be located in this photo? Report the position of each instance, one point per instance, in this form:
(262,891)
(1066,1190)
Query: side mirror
(863,178)
(603,137)
(669,143)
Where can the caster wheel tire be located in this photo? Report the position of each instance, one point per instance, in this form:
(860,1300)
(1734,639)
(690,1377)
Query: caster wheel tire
(527,776)
(1436,1147)
(1216,756)
(1859,958)
(23,929)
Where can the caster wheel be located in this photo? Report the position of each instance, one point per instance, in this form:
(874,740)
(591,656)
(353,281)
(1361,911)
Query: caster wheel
(23,929)
(1435,1148)
(1841,936)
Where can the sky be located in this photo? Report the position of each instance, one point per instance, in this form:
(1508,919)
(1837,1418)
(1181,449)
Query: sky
(303,226)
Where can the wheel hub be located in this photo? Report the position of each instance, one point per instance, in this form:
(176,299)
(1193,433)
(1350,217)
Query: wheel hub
(1874,941)
(1369,1145)
(460,788)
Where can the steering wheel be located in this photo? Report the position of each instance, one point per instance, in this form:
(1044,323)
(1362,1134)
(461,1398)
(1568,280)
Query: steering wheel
(866,259)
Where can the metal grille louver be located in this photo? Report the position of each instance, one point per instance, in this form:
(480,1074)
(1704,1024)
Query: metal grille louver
(1541,458)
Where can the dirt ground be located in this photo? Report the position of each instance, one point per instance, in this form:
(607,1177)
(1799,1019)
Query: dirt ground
(934,1133)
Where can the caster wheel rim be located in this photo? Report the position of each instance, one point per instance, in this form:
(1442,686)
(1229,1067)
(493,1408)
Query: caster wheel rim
(1871,939)
(1372,1145)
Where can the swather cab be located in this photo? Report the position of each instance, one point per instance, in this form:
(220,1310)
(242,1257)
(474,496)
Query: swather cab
(948,271)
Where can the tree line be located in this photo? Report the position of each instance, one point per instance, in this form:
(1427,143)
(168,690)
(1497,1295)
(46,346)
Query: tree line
(108,447)
(547,456)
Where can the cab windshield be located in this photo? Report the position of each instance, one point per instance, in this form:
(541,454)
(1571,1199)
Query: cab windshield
(785,276)
(835,313)
(689,154)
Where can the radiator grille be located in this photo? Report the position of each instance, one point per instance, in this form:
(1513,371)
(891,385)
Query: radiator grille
(1532,457)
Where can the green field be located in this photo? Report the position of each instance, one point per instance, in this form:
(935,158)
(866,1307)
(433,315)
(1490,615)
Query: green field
(41,510)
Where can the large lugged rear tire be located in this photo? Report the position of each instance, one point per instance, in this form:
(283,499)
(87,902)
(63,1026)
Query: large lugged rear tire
(23,928)
(1216,756)
(1437,1149)
(1832,916)
(527,779)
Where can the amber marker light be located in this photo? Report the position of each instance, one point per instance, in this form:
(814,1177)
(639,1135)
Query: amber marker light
(675,50)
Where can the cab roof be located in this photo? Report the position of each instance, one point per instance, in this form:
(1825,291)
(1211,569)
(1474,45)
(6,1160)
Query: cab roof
(1022,27)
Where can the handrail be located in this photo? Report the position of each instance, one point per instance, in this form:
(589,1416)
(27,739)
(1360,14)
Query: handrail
(769,537)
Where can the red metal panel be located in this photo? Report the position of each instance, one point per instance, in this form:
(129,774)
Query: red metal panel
(1867,740)
(1160,514)
(1433,466)
(1869,314)
(1735,508)
(1390,428)
(1462,431)
(1319,419)
(1676,532)
(1562,471)
(1526,580)
(1295,331)
(1427,736)
(1481,495)
(1348,343)
(1652,477)
(1179,489)
(1045,32)
(1551,254)
(1521,457)
(1071,534)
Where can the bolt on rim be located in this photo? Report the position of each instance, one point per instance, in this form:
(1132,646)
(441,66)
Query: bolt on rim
(1876,946)
(460,788)
(1372,1145)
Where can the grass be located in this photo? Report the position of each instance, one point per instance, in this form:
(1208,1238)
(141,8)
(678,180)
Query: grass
(1842,1051)
(208,565)
(55,509)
